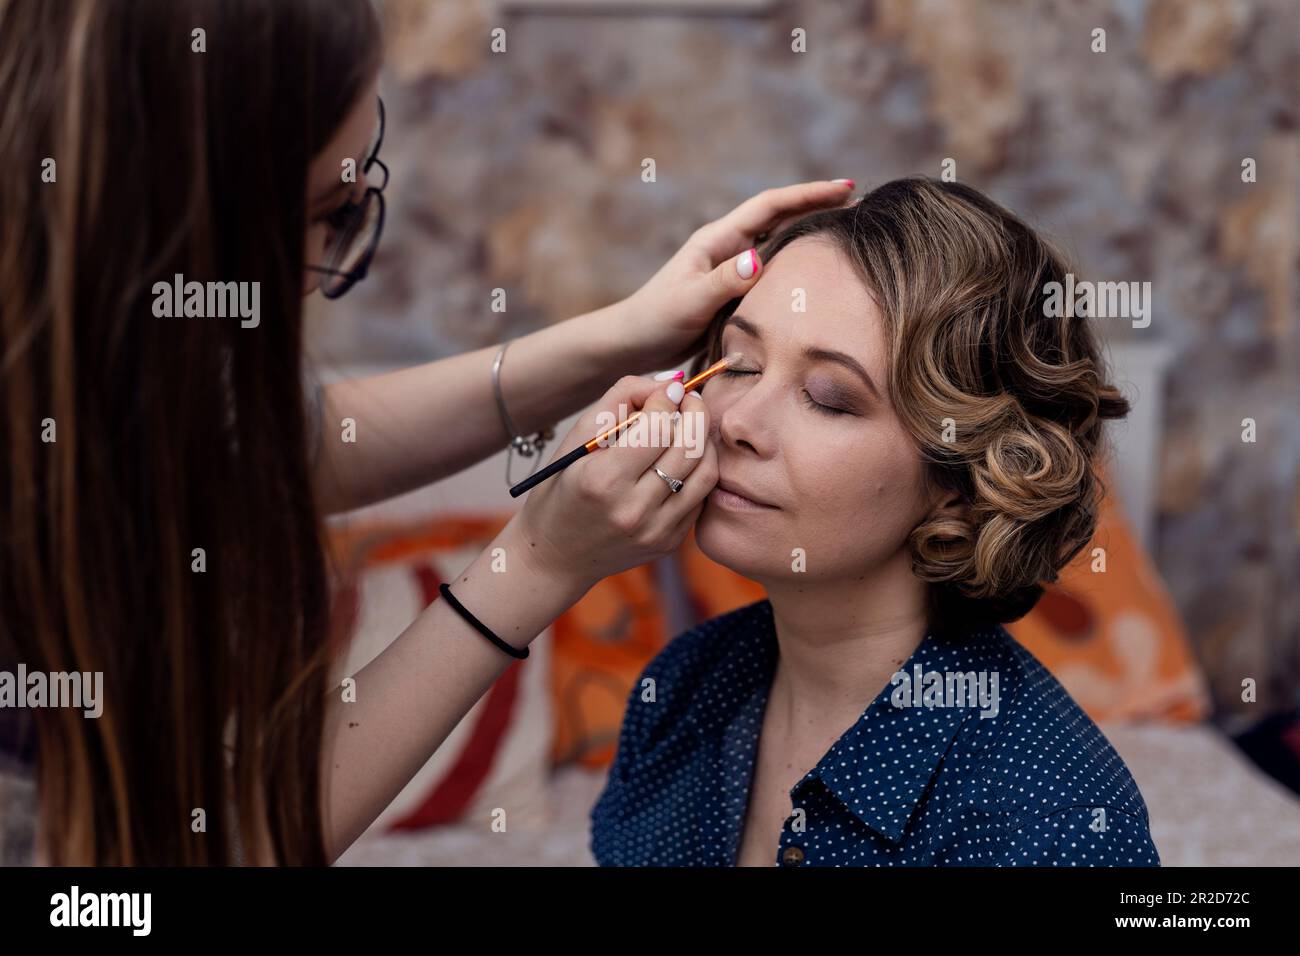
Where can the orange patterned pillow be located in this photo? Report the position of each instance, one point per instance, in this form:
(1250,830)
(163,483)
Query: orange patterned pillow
(600,647)
(603,643)
(498,755)
(1113,637)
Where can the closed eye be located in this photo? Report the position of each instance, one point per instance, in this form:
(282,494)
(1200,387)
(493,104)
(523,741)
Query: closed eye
(818,406)
(808,399)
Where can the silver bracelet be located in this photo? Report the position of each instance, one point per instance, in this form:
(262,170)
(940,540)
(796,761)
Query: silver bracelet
(526,447)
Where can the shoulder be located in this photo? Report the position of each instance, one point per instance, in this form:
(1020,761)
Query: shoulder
(677,706)
(678,682)
(710,641)
(1065,793)
(1099,835)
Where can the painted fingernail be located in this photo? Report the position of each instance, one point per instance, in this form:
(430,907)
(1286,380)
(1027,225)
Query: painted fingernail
(675,392)
(696,394)
(665,376)
(847,182)
(747,263)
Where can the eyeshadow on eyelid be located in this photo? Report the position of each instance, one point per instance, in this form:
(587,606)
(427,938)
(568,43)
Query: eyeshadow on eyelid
(833,394)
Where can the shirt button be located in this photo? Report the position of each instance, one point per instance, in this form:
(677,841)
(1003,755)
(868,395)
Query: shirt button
(792,856)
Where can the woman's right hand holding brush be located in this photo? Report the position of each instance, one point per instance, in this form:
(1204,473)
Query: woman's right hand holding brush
(611,510)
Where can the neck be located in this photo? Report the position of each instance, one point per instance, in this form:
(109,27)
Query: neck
(840,641)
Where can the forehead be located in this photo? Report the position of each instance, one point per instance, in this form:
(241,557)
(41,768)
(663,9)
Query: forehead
(841,313)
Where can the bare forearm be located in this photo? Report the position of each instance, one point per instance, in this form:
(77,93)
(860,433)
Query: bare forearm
(412,427)
(410,697)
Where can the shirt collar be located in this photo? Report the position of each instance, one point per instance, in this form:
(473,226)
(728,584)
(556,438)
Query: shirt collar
(921,735)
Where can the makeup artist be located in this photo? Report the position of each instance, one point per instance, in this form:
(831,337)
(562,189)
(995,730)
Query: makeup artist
(131,441)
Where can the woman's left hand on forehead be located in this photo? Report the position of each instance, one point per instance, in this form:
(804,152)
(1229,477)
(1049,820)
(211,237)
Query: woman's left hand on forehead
(667,317)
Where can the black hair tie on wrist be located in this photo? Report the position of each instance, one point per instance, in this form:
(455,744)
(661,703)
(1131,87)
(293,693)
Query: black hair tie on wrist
(479,625)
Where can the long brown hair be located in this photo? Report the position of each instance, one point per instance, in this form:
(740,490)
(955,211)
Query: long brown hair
(960,282)
(169,434)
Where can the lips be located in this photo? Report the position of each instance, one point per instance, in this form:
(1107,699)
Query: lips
(727,484)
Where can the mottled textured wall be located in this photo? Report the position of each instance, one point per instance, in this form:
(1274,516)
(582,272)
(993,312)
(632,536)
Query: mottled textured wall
(522,170)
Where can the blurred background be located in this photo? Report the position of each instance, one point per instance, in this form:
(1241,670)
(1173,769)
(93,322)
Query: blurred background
(1156,140)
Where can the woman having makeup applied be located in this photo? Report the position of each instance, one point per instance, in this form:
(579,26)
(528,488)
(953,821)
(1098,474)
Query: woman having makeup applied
(905,453)
(164,478)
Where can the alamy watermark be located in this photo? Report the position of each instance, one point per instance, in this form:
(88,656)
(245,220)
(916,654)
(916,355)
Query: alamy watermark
(24,689)
(656,429)
(208,300)
(133,911)
(1099,300)
(922,688)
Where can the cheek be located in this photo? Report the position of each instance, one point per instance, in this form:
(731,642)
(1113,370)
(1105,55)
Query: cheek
(314,243)
(860,497)
(313,255)
(715,403)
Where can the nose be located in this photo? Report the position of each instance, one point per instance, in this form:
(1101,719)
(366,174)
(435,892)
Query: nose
(746,422)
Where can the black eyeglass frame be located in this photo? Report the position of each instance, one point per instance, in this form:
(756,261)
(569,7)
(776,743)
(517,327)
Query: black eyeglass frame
(372,194)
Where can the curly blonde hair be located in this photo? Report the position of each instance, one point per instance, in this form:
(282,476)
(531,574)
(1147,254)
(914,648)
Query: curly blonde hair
(1003,402)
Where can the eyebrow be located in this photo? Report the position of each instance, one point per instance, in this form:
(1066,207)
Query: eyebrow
(811,352)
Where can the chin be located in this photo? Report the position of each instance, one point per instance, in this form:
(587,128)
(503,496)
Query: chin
(726,540)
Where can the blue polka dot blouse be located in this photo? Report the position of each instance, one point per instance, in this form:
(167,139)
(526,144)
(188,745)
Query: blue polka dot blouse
(973,755)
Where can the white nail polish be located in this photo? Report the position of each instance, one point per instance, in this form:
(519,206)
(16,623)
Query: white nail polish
(675,392)
(745,263)
(665,376)
(696,394)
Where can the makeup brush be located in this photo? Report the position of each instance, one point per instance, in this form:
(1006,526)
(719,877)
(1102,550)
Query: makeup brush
(560,464)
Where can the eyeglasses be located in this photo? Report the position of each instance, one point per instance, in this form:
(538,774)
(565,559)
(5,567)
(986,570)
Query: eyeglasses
(357,226)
